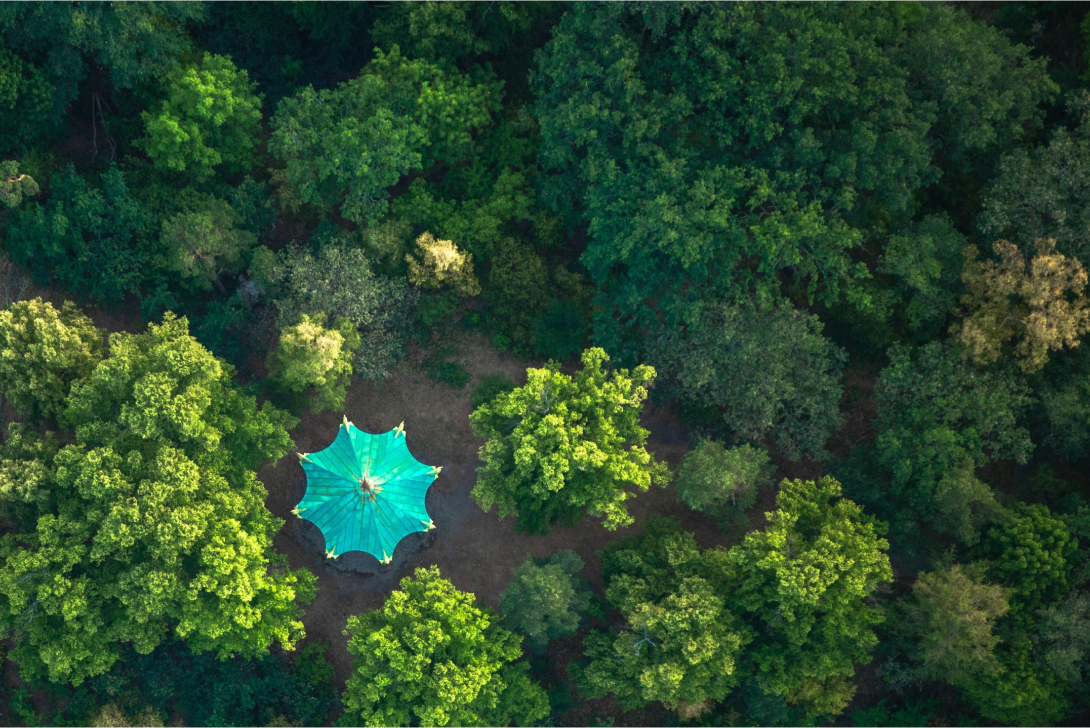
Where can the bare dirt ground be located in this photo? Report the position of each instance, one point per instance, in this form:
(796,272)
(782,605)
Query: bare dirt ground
(475,550)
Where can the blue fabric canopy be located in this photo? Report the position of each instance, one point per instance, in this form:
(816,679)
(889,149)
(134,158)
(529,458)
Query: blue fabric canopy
(366,492)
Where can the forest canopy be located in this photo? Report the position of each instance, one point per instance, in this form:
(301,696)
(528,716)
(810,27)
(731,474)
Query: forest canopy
(751,336)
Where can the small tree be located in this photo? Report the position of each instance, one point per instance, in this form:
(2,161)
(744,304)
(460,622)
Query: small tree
(546,600)
(439,264)
(312,357)
(721,482)
(950,619)
(43,352)
(559,446)
(431,656)
(1042,305)
(210,118)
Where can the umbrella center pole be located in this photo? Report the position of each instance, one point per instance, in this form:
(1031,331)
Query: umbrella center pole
(368,491)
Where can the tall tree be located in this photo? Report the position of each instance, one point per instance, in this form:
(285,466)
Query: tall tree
(804,585)
(936,411)
(681,644)
(431,656)
(561,446)
(711,150)
(92,239)
(151,523)
(768,369)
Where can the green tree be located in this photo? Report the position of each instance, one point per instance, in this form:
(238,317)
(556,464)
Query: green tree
(210,118)
(546,600)
(337,281)
(964,504)
(347,145)
(804,585)
(681,644)
(313,358)
(721,150)
(431,656)
(151,524)
(42,353)
(950,618)
(93,240)
(1044,192)
(1032,553)
(1063,639)
(926,262)
(203,245)
(1020,692)
(135,43)
(516,293)
(450,33)
(768,369)
(936,411)
(560,446)
(26,100)
(721,482)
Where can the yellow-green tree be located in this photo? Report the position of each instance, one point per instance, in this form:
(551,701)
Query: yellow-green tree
(439,264)
(313,358)
(561,446)
(42,352)
(431,656)
(149,525)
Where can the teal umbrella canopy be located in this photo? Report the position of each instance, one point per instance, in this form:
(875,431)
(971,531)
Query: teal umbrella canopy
(366,492)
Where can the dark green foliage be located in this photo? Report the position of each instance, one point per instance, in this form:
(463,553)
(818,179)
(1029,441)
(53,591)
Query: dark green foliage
(1063,640)
(699,170)
(1031,553)
(911,714)
(203,690)
(446,372)
(93,240)
(560,332)
(346,146)
(26,103)
(546,599)
(1044,192)
(937,410)
(768,369)
(516,290)
(926,261)
(489,388)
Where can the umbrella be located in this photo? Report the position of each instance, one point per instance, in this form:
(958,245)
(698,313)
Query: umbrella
(366,492)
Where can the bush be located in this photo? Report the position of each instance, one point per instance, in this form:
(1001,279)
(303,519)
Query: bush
(545,599)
